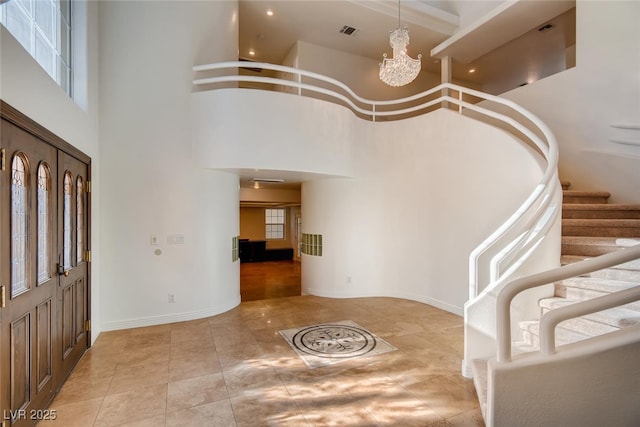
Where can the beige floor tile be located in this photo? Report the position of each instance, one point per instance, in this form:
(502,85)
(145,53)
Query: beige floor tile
(269,406)
(196,391)
(191,333)
(128,377)
(250,375)
(78,414)
(192,348)
(151,354)
(448,395)
(157,421)
(132,406)
(82,387)
(236,369)
(472,418)
(215,414)
(194,365)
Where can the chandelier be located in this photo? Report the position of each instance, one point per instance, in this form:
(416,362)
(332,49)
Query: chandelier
(401,69)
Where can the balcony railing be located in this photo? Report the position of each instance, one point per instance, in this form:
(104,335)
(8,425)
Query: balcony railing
(504,250)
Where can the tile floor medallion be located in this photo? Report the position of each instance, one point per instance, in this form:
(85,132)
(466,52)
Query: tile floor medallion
(329,343)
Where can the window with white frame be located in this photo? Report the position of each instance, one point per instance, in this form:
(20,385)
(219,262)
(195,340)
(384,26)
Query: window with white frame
(274,223)
(43,28)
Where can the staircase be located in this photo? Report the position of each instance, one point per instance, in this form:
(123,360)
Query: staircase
(590,227)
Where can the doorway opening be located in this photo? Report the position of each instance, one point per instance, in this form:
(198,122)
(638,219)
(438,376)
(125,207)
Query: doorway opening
(270,238)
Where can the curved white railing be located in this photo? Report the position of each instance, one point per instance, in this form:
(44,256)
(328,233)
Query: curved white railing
(500,254)
(551,319)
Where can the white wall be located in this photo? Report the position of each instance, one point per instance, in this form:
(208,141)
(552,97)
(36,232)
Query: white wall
(27,87)
(155,185)
(271,130)
(580,104)
(425,192)
(407,202)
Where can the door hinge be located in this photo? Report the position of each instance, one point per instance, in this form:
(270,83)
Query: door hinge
(87,325)
(87,256)
(87,186)
(3,297)
(3,161)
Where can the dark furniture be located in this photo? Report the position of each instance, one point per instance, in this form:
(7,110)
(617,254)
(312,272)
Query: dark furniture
(255,251)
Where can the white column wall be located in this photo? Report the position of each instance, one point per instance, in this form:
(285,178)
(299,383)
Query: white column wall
(155,185)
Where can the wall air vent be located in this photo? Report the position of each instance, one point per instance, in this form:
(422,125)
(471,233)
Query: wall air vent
(350,31)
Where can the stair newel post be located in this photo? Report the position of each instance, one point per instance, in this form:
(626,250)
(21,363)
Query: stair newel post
(503,325)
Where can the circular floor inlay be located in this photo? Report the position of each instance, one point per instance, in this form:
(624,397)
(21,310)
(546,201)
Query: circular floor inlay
(334,341)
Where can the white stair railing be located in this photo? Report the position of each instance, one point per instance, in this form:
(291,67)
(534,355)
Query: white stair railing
(551,319)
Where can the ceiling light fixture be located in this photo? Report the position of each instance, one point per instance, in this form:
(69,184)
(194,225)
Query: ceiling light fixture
(271,180)
(269,12)
(401,69)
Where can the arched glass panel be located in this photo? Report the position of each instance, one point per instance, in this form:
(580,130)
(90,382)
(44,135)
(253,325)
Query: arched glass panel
(19,224)
(44,234)
(79,220)
(66,214)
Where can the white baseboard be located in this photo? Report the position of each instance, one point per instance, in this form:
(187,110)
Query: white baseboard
(418,298)
(167,318)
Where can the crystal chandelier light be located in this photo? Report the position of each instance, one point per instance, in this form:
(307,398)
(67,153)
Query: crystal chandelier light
(401,69)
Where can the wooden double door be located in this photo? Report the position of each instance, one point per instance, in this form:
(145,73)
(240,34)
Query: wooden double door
(44,260)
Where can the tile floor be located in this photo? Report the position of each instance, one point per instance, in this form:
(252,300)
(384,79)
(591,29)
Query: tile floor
(235,369)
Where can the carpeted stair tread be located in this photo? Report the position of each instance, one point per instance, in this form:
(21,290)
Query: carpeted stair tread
(531,334)
(581,288)
(519,347)
(577,196)
(479,368)
(599,210)
(596,284)
(615,317)
(629,271)
(594,246)
(601,227)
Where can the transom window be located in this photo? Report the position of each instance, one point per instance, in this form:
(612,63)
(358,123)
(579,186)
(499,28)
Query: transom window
(274,223)
(43,28)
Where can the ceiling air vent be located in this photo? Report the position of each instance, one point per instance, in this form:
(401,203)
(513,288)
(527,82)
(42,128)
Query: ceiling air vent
(350,31)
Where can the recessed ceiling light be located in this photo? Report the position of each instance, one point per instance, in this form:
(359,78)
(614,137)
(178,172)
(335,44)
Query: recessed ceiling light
(269,12)
(472,70)
(252,52)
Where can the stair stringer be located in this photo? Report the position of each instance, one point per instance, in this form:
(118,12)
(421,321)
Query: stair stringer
(536,389)
(480,313)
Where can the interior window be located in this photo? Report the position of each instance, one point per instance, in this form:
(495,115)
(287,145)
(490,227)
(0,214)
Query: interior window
(274,222)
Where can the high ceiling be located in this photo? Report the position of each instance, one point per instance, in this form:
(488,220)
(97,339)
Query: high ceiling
(430,23)
(506,41)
